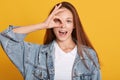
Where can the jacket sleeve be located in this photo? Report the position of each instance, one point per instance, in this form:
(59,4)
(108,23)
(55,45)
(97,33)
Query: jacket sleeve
(13,45)
(95,69)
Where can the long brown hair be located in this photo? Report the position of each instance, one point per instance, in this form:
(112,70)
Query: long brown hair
(78,33)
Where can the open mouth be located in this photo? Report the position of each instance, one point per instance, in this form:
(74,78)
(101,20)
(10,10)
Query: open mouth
(63,33)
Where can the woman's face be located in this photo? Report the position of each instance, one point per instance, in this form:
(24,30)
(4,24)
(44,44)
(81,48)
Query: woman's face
(65,19)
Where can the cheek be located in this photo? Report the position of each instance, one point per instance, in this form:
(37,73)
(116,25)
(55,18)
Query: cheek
(55,30)
(70,28)
(71,31)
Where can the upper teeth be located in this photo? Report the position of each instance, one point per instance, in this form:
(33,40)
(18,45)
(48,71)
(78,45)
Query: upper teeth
(63,31)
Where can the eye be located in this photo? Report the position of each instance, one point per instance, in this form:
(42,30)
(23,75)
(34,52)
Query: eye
(56,20)
(69,21)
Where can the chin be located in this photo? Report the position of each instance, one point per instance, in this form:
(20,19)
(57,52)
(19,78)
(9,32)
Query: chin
(62,39)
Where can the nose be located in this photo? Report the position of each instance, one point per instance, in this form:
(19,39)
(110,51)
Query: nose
(62,24)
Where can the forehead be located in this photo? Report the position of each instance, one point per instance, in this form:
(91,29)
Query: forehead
(65,13)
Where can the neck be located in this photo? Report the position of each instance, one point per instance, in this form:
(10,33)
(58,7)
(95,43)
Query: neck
(66,45)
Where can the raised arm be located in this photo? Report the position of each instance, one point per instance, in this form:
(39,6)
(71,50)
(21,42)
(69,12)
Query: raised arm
(28,29)
(12,38)
(50,22)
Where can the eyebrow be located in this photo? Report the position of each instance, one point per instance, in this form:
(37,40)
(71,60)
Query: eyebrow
(69,18)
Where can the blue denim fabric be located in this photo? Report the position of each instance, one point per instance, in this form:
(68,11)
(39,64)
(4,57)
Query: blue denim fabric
(36,62)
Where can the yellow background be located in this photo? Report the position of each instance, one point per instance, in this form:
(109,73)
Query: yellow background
(100,18)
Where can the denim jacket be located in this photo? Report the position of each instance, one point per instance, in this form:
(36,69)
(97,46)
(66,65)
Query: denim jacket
(36,62)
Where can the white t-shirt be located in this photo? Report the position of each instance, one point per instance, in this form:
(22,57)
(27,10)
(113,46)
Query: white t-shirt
(64,63)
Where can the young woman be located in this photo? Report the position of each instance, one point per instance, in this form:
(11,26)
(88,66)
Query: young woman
(67,54)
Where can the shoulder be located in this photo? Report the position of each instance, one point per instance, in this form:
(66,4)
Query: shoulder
(38,47)
(92,53)
(89,50)
(31,45)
